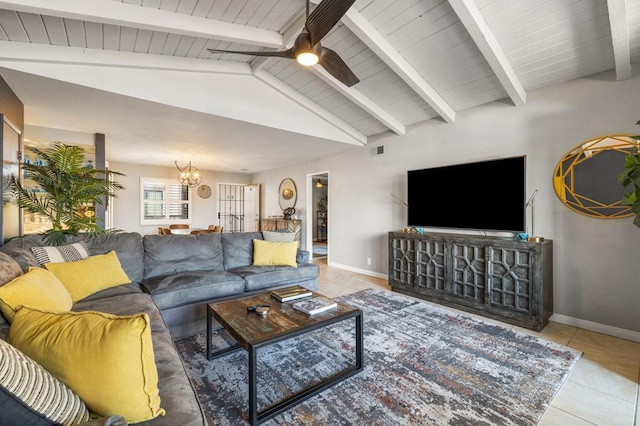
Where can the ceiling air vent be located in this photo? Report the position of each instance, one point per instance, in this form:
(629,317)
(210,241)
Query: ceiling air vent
(376,150)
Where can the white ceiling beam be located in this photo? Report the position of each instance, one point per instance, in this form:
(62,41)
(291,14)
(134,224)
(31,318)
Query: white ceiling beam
(29,52)
(147,18)
(358,138)
(620,38)
(474,22)
(385,51)
(357,97)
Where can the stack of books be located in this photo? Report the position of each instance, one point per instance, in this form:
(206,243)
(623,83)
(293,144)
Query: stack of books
(315,305)
(291,293)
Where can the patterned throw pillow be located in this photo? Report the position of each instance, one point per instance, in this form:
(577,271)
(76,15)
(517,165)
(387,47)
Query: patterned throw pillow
(58,254)
(30,395)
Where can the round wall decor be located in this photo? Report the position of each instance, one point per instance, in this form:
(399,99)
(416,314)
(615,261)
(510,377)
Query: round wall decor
(287,194)
(586,178)
(204,191)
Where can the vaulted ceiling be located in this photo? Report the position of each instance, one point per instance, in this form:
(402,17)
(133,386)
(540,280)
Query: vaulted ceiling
(140,71)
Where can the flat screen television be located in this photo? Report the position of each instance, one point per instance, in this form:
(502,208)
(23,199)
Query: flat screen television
(485,195)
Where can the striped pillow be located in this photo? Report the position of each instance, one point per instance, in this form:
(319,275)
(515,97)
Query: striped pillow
(29,394)
(58,254)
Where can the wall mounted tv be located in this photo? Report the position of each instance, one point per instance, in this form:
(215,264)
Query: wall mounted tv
(485,195)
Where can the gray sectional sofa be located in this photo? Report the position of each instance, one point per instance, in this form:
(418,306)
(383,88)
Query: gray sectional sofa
(172,279)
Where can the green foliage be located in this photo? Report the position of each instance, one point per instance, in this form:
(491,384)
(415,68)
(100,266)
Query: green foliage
(65,188)
(631,176)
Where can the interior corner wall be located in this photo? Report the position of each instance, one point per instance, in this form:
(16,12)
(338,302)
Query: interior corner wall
(596,271)
(126,205)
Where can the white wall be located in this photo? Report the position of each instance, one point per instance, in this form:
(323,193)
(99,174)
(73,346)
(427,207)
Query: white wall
(126,207)
(596,268)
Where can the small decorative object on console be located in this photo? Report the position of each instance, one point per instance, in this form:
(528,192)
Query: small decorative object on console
(315,305)
(290,293)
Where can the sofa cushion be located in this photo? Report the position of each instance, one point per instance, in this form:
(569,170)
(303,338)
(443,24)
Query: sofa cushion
(238,248)
(9,268)
(183,288)
(125,304)
(67,253)
(176,392)
(38,288)
(119,290)
(128,246)
(107,360)
(261,277)
(170,254)
(90,275)
(19,249)
(29,395)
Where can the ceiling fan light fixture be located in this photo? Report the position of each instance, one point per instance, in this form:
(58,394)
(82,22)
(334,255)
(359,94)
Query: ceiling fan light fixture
(307,58)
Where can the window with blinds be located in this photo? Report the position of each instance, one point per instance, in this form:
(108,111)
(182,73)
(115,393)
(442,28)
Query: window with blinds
(164,201)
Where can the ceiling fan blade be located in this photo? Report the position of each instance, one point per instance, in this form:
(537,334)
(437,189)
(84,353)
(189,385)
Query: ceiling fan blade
(289,54)
(335,66)
(325,17)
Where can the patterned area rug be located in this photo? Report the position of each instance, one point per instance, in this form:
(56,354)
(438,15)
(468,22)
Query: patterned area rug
(424,365)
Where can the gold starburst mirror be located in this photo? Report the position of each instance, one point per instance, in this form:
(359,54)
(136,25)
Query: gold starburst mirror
(586,178)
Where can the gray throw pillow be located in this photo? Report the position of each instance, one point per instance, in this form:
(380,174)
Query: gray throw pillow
(9,268)
(278,237)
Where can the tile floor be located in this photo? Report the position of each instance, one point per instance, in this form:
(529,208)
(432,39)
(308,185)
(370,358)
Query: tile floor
(603,388)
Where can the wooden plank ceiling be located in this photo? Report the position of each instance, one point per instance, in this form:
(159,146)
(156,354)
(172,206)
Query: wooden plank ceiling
(417,59)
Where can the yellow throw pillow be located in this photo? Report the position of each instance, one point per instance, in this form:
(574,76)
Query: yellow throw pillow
(107,360)
(85,277)
(267,253)
(38,288)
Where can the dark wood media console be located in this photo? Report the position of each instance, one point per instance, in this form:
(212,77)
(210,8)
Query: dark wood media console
(500,278)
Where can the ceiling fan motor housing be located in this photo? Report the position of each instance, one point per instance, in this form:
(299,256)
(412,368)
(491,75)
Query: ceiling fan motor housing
(302,46)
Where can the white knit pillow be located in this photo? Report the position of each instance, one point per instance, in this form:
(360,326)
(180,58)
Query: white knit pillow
(25,385)
(58,254)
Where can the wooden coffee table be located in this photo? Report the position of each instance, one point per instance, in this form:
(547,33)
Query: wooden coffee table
(252,331)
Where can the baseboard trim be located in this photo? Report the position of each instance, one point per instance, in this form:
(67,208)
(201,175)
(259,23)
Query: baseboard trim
(622,333)
(358,270)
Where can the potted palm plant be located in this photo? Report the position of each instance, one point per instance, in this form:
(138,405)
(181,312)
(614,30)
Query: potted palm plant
(64,188)
(631,176)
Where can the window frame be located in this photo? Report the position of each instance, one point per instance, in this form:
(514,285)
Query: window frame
(166,202)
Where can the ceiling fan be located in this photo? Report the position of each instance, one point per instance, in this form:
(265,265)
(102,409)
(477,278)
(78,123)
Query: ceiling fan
(307,49)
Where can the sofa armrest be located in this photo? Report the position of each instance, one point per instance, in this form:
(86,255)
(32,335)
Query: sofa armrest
(106,421)
(303,256)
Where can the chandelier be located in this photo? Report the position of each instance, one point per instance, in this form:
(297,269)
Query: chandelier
(189,175)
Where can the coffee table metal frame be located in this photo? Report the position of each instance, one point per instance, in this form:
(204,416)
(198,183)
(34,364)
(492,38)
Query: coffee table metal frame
(255,416)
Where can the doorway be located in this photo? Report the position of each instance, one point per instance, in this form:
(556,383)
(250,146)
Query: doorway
(318,206)
(239,207)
